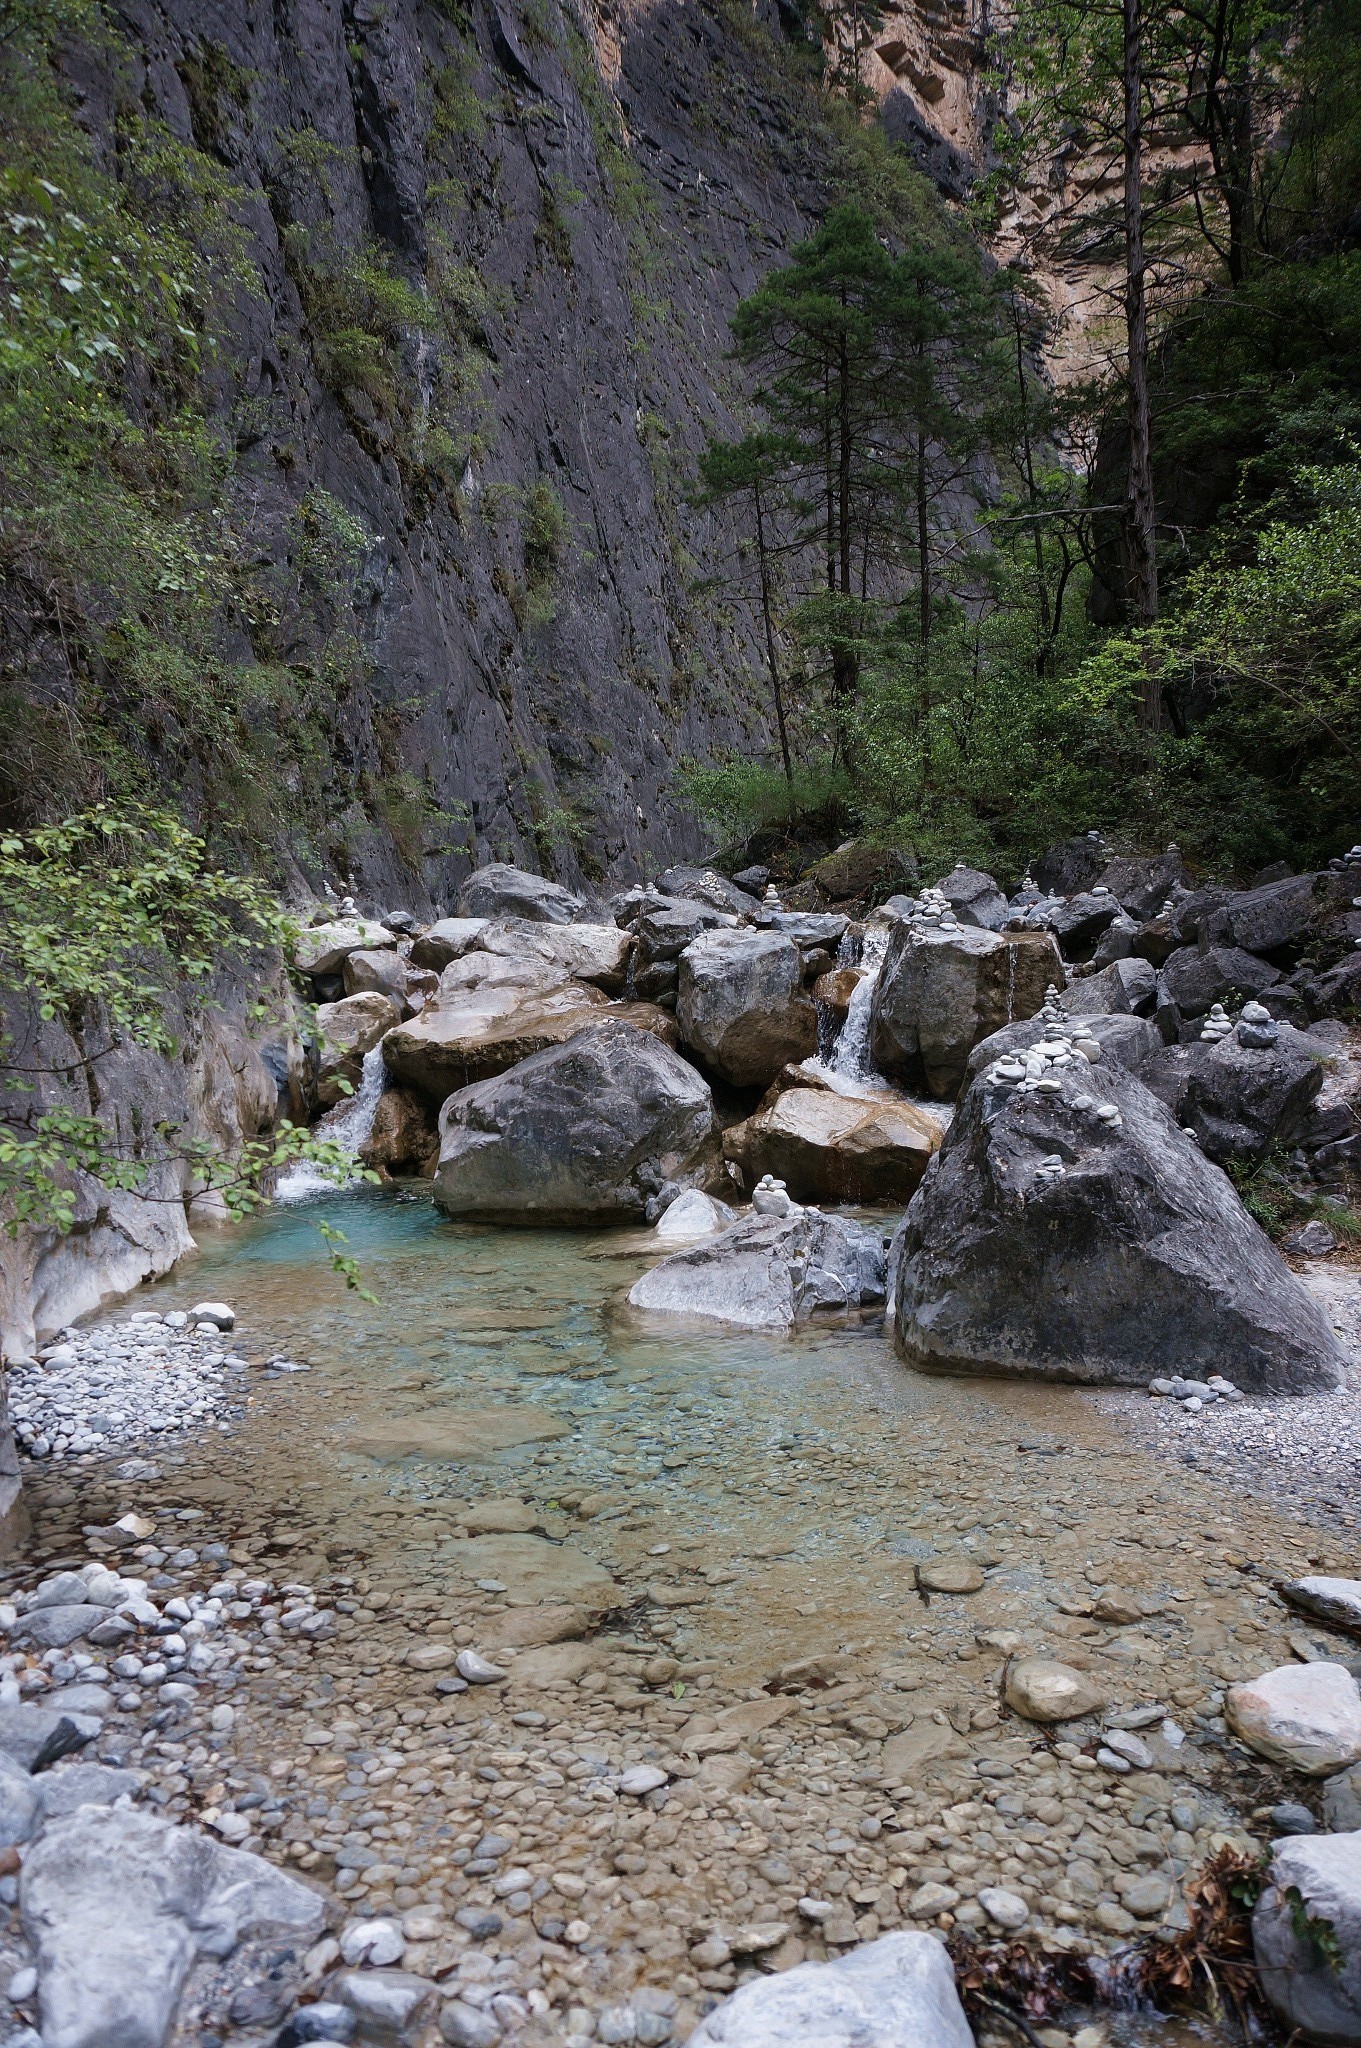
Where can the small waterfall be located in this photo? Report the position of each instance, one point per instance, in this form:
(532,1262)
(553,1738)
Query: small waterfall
(348,1124)
(850,1056)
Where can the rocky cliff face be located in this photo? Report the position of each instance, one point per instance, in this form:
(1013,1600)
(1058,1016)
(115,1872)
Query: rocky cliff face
(578,203)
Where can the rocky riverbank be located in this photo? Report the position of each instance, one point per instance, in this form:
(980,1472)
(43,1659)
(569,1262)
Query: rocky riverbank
(709,1752)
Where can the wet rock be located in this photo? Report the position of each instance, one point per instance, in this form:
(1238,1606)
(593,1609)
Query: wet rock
(828,1147)
(1041,1690)
(118,1904)
(1241,1100)
(349,1029)
(535,1570)
(741,1008)
(584,1132)
(503,891)
(770,1273)
(939,993)
(1081,1235)
(1305,1716)
(324,948)
(1306,1935)
(884,1994)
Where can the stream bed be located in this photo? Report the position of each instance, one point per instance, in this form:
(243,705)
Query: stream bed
(499,1451)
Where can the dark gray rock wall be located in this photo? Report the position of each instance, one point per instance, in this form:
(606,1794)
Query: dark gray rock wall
(584,202)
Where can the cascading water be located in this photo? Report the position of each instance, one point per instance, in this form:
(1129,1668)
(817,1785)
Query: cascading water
(850,1056)
(348,1125)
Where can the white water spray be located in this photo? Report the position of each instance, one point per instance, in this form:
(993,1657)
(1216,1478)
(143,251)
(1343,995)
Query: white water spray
(850,1057)
(347,1125)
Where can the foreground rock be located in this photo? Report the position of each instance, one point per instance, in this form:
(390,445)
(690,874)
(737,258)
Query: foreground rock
(503,891)
(118,1905)
(1305,1716)
(741,1007)
(591,1131)
(1042,1690)
(1068,1229)
(771,1273)
(897,1992)
(940,992)
(1306,1935)
(1241,1099)
(830,1147)
(596,953)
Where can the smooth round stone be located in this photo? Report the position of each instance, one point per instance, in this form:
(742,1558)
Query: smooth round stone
(476,1669)
(949,1575)
(1003,1907)
(641,1779)
(1041,1690)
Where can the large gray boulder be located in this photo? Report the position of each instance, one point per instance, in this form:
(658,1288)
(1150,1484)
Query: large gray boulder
(706,885)
(586,1132)
(1141,884)
(1080,922)
(1193,979)
(1132,1042)
(447,940)
(1273,920)
(503,891)
(741,1007)
(975,898)
(1127,986)
(596,953)
(771,1273)
(1306,1935)
(118,1905)
(1240,1100)
(939,993)
(666,925)
(1048,1241)
(897,1992)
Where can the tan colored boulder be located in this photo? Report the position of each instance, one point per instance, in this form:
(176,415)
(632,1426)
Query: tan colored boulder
(500,1518)
(556,1664)
(1040,1690)
(453,1434)
(1305,1716)
(349,1029)
(529,1627)
(833,990)
(535,1570)
(949,1575)
(830,1147)
(476,1031)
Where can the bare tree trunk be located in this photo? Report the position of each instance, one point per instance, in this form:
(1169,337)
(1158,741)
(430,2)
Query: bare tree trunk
(771,655)
(1141,566)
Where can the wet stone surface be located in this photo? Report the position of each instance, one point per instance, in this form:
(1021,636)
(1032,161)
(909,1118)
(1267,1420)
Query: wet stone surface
(716,1722)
